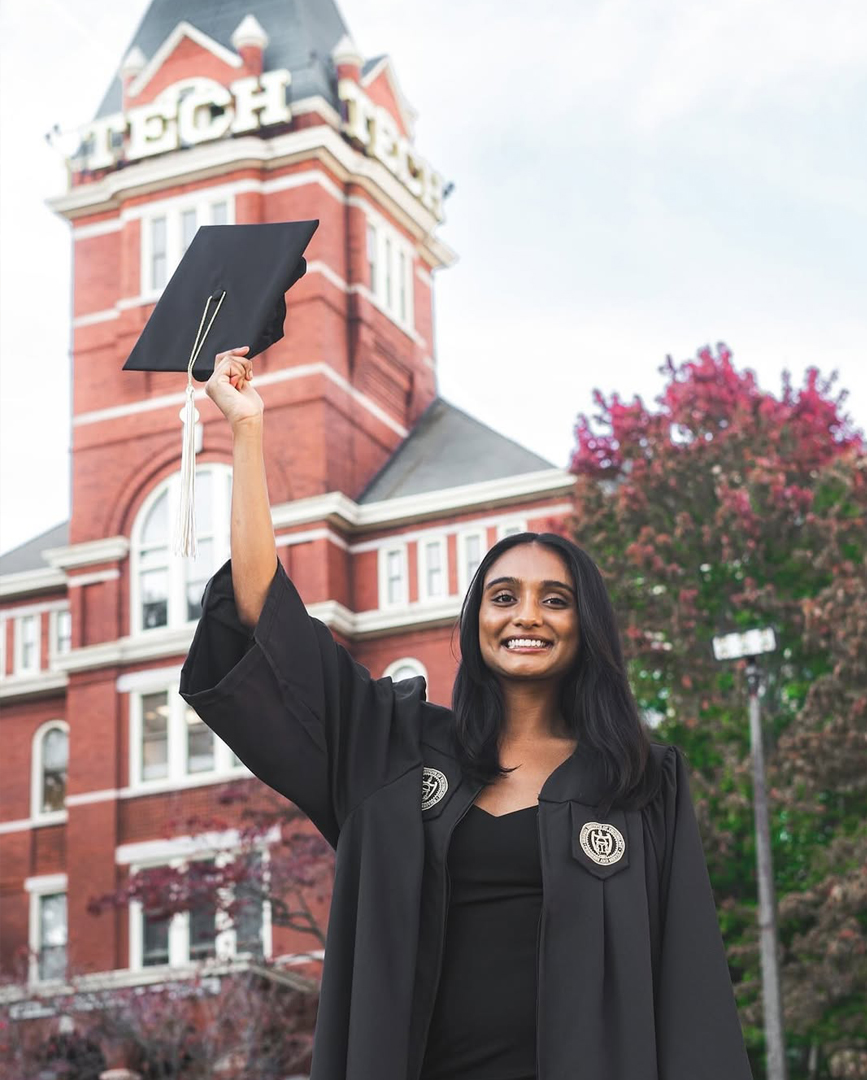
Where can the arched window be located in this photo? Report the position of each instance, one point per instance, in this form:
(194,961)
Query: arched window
(167,589)
(406,668)
(50,766)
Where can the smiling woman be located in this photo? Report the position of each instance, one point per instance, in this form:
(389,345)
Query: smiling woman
(520,886)
(541,660)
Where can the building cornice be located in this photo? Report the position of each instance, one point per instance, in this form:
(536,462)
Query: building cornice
(33,685)
(31,581)
(216,158)
(89,553)
(355,517)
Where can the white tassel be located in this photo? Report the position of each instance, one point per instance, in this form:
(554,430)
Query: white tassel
(185,525)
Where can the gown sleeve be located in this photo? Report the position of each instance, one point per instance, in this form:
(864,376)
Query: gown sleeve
(699,1034)
(302,715)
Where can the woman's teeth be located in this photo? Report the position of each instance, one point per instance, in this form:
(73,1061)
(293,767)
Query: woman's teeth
(525,643)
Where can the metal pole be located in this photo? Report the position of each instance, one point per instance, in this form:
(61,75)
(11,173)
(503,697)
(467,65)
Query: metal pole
(773,1011)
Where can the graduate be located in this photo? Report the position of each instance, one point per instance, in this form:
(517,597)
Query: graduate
(520,888)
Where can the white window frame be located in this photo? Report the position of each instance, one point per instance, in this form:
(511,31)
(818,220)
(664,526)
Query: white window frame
(53,638)
(19,668)
(511,526)
(177,775)
(401,550)
(225,940)
(439,541)
(389,245)
(37,887)
(406,661)
(38,816)
(3,629)
(464,536)
(172,210)
(178,570)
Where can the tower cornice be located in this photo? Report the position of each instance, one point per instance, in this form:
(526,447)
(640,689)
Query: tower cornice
(320,142)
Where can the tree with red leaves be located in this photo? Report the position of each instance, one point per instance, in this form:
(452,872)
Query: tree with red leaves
(727,507)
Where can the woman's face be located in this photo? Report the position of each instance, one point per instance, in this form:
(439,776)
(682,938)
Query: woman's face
(528,619)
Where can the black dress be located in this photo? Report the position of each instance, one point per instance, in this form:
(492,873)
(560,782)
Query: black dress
(484,1021)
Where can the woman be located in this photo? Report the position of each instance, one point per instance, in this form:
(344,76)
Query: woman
(520,888)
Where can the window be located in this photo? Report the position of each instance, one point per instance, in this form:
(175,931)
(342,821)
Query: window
(52,936)
(471,548)
(167,230)
(510,528)
(55,758)
(167,591)
(47,935)
(390,262)
(371,257)
(250,916)
(393,576)
(26,644)
(406,668)
(202,920)
(62,631)
(200,743)
(159,253)
(170,745)
(155,939)
(155,736)
(388,273)
(203,932)
(188,228)
(49,766)
(433,581)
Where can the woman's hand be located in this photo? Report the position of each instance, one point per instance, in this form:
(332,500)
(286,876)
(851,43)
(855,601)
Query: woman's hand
(231,390)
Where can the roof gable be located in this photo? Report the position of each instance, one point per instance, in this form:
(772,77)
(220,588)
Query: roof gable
(183,34)
(448,448)
(379,81)
(301,35)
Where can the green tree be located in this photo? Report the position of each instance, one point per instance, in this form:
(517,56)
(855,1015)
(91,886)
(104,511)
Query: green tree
(725,507)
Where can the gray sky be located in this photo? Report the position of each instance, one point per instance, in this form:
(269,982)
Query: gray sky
(632,178)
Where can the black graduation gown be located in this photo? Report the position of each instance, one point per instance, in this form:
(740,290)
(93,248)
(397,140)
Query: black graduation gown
(633,978)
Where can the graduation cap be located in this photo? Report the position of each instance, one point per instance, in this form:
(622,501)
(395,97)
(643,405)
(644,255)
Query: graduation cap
(228,290)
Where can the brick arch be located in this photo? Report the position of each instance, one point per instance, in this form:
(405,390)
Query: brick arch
(142,482)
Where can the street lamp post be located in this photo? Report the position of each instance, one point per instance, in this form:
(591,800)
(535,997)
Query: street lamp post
(732,647)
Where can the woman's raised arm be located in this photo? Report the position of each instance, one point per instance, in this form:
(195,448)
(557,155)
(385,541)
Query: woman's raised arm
(254,553)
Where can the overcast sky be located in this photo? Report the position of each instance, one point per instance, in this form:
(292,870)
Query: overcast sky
(632,178)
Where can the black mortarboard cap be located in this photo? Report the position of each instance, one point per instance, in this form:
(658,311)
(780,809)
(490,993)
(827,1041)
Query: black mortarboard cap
(228,291)
(232,280)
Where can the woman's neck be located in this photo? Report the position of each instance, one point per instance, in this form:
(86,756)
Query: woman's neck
(531,712)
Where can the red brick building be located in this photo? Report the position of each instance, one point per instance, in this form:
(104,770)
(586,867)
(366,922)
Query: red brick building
(384,495)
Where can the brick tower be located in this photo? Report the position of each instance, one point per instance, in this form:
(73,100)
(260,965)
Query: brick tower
(384,496)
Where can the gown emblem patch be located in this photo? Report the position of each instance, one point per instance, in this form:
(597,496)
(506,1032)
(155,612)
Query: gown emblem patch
(603,843)
(433,787)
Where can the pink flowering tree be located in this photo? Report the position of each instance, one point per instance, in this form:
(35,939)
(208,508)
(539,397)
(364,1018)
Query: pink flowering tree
(725,506)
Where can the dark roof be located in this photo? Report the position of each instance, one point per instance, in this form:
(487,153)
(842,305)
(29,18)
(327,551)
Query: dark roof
(301,37)
(445,449)
(28,556)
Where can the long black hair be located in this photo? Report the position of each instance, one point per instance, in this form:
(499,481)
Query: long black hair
(595,697)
